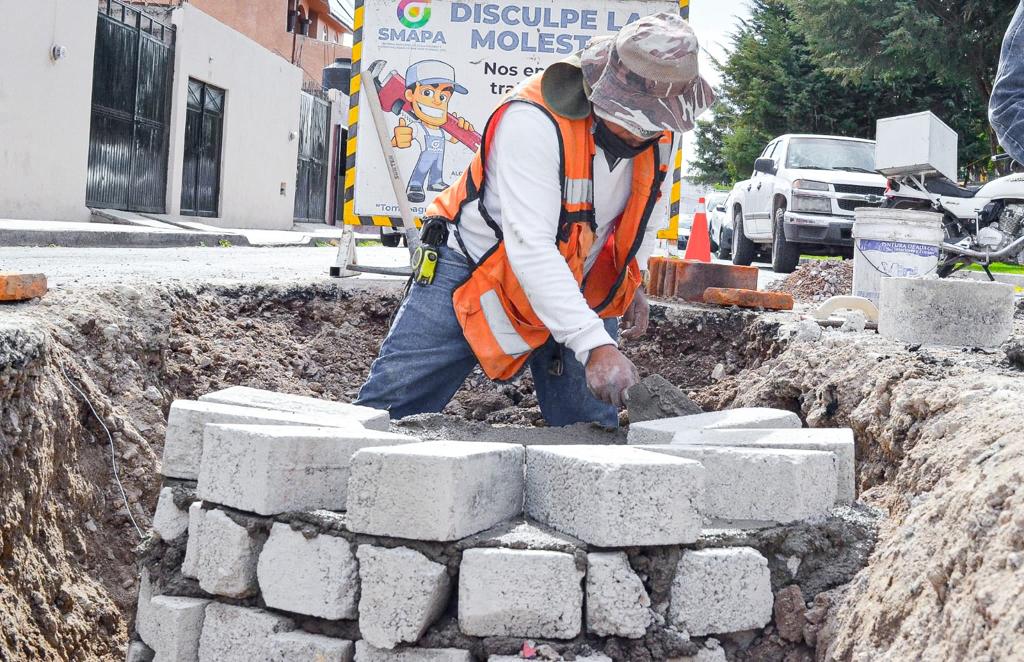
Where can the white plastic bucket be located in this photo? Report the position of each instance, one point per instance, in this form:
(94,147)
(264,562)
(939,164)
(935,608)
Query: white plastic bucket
(891,243)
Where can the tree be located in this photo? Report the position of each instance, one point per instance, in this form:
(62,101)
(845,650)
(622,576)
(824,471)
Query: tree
(774,83)
(955,41)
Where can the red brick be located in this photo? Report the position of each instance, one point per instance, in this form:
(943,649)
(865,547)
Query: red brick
(748,298)
(21,287)
(655,266)
(692,278)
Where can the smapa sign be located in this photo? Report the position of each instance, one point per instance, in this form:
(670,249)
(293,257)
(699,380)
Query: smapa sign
(440,68)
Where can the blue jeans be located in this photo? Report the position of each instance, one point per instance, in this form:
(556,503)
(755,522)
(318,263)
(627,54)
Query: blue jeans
(1006,108)
(425,359)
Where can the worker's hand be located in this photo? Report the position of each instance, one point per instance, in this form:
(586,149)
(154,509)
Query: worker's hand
(464,124)
(637,317)
(403,135)
(610,375)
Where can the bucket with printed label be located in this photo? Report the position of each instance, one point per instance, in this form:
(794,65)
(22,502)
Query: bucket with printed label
(893,243)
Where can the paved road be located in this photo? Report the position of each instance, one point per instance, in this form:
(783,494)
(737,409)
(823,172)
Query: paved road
(77,266)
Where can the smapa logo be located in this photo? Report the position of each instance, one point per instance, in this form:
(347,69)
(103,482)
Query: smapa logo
(414,14)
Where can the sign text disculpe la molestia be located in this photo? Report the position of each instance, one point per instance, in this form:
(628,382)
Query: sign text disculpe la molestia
(535,19)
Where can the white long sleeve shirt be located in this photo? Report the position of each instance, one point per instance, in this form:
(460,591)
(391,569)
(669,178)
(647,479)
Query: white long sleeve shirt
(523,195)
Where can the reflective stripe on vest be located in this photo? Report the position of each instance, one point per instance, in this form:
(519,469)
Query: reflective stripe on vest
(501,326)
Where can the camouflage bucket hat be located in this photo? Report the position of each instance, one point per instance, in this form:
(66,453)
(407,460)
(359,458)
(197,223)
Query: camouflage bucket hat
(647,78)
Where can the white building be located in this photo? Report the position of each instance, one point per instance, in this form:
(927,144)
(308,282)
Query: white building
(175,114)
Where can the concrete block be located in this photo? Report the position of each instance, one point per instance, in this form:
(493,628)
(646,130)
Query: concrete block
(306,647)
(271,469)
(372,419)
(170,626)
(662,432)
(617,603)
(316,576)
(183,444)
(169,521)
(762,485)
(615,496)
(839,441)
(239,634)
(520,593)
(402,594)
(139,652)
(721,590)
(962,313)
(438,490)
(196,515)
(722,296)
(225,556)
(367,653)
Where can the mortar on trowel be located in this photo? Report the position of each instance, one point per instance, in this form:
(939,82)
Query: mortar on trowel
(655,398)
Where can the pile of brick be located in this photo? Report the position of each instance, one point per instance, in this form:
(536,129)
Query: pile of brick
(310,532)
(717,284)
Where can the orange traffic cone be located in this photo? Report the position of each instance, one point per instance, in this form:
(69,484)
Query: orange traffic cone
(699,246)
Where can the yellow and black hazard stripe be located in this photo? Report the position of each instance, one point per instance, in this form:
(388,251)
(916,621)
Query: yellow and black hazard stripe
(353,128)
(353,138)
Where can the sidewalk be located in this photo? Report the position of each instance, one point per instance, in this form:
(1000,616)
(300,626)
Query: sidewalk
(115,229)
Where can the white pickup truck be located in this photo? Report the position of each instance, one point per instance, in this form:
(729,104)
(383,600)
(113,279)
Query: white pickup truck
(801,199)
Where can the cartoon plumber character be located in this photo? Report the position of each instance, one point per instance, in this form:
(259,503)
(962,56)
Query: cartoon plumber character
(429,86)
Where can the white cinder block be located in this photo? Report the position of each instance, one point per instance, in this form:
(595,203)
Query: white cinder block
(717,591)
(225,556)
(373,419)
(196,515)
(271,469)
(402,593)
(437,490)
(614,496)
(661,431)
(520,593)
(239,634)
(834,440)
(316,576)
(169,521)
(183,444)
(179,624)
(617,603)
(306,647)
(760,485)
(367,653)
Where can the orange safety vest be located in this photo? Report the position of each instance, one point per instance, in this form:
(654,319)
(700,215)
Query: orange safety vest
(493,309)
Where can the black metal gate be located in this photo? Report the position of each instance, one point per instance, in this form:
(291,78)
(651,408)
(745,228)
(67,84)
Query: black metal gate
(311,186)
(204,129)
(131,92)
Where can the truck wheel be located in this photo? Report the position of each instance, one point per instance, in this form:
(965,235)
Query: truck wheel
(743,250)
(724,247)
(785,254)
(390,240)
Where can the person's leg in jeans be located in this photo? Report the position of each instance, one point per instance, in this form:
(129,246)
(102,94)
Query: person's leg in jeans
(565,399)
(1006,107)
(425,357)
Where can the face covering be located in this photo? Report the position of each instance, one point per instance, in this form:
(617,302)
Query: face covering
(616,148)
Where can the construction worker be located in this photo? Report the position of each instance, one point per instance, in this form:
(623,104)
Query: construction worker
(543,241)
(1006,107)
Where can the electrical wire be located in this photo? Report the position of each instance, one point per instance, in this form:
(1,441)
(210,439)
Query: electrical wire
(113,453)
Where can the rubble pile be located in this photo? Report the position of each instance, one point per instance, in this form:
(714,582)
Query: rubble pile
(815,281)
(294,528)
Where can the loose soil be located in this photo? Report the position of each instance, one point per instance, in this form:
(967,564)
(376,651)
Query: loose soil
(815,281)
(940,448)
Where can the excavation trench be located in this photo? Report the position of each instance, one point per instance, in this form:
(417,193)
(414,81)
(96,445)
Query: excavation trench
(940,437)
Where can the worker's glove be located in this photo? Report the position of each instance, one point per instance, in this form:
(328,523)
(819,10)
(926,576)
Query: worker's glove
(610,374)
(638,316)
(403,135)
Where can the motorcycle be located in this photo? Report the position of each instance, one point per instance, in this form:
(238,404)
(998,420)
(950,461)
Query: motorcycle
(982,224)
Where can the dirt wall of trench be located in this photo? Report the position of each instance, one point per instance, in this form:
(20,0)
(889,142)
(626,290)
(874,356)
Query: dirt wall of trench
(939,446)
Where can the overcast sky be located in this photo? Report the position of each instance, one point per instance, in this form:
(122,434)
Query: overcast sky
(714,21)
